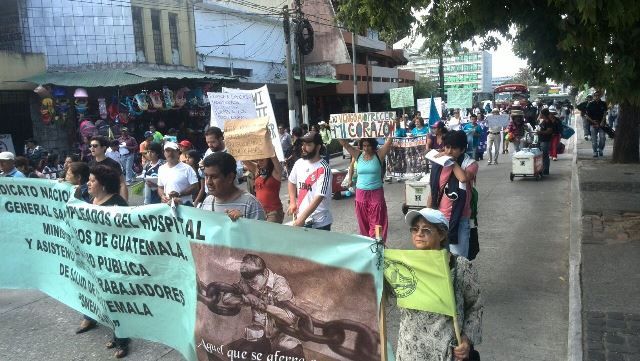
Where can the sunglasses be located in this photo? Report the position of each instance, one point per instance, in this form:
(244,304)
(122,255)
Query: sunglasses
(416,230)
(95,145)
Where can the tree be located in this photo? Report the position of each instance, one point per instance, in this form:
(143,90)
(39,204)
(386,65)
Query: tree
(570,41)
(424,88)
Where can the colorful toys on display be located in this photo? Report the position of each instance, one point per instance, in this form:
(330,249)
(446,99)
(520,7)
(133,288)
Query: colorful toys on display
(102,108)
(82,102)
(47,111)
(168,98)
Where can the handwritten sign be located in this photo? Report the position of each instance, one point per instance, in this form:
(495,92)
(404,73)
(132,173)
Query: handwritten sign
(226,106)
(262,103)
(459,98)
(424,106)
(362,125)
(497,121)
(248,139)
(401,97)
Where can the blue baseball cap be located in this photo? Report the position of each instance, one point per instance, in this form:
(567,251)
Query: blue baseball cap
(148,134)
(432,216)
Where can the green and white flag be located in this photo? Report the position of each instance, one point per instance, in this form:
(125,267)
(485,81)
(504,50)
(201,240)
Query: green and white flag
(421,280)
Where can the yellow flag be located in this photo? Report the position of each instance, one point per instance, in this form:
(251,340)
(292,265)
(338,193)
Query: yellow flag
(421,280)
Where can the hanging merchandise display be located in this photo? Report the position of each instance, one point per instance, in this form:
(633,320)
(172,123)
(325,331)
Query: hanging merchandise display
(156,99)
(47,111)
(181,97)
(113,108)
(102,108)
(141,100)
(42,91)
(62,105)
(87,129)
(82,102)
(168,98)
(130,103)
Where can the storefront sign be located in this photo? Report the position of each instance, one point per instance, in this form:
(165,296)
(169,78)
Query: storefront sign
(248,139)
(226,106)
(262,102)
(362,125)
(459,98)
(189,278)
(401,97)
(406,158)
(6,143)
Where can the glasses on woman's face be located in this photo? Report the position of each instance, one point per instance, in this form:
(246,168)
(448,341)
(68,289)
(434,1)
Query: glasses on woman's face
(94,145)
(421,230)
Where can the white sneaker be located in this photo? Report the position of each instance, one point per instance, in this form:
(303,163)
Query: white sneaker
(489,163)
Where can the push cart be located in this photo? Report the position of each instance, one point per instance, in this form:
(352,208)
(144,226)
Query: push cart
(416,194)
(527,163)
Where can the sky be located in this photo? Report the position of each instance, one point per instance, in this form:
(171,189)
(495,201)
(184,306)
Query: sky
(505,62)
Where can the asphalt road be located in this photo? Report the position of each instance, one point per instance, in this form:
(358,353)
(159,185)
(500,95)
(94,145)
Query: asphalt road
(523,265)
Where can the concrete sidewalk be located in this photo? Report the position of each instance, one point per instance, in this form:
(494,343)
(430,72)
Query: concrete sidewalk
(610,255)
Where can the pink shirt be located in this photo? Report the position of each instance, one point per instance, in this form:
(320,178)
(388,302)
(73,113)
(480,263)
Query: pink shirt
(446,205)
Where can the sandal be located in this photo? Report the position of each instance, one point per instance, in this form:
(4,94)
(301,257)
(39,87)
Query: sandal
(121,351)
(85,326)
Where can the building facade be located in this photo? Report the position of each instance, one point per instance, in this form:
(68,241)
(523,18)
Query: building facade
(468,70)
(499,80)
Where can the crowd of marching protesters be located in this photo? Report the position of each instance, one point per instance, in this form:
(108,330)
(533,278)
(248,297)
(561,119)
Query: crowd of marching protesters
(172,171)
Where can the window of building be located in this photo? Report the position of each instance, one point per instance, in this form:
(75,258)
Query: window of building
(377,78)
(157,36)
(138,33)
(247,73)
(173,34)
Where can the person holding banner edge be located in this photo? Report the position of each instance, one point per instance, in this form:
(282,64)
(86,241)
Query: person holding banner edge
(429,336)
(268,175)
(371,207)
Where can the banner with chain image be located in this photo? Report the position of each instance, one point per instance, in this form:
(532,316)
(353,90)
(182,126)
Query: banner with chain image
(211,288)
(406,158)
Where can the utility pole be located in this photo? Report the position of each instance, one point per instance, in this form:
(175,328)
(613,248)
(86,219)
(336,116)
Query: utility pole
(355,75)
(290,83)
(303,82)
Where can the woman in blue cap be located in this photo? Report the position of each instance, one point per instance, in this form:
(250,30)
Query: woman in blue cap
(429,336)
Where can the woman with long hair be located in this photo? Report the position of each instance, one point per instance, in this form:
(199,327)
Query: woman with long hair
(268,175)
(435,140)
(371,208)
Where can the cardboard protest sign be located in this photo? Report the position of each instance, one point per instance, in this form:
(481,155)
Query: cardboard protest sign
(401,97)
(421,280)
(406,158)
(192,279)
(226,106)
(6,143)
(461,98)
(262,102)
(362,125)
(248,139)
(497,121)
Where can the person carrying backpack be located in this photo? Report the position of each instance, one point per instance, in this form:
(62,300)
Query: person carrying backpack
(371,207)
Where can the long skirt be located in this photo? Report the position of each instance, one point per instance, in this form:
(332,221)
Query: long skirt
(371,210)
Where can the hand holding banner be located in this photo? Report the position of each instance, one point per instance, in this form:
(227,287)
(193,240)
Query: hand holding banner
(248,139)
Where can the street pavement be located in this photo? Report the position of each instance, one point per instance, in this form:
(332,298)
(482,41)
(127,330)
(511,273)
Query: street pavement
(610,254)
(523,267)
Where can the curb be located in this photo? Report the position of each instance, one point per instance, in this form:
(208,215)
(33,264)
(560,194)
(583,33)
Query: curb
(574,338)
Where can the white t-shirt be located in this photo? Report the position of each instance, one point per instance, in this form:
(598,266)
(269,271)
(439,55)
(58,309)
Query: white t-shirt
(177,178)
(311,180)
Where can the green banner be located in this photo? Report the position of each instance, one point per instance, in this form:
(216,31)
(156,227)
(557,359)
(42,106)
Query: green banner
(401,97)
(461,98)
(421,280)
(194,280)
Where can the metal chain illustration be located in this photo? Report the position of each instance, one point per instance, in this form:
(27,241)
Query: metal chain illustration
(307,328)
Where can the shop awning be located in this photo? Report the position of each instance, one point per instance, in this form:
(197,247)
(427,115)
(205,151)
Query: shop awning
(88,79)
(117,77)
(319,80)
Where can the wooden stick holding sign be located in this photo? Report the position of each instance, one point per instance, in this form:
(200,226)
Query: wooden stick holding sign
(248,139)
(382,317)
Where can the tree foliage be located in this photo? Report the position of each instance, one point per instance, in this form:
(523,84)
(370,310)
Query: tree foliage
(425,88)
(571,41)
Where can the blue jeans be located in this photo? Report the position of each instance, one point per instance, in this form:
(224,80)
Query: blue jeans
(597,139)
(464,231)
(127,166)
(586,126)
(150,195)
(544,147)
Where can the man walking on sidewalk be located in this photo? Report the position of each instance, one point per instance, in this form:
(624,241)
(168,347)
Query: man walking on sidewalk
(582,107)
(128,148)
(493,140)
(595,112)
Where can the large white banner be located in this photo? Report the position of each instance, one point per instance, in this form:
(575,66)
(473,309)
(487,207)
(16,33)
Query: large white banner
(424,106)
(228,106)
(263,106)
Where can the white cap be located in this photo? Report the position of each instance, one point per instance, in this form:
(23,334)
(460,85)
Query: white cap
(432,216)
(7,156)
(171,145)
